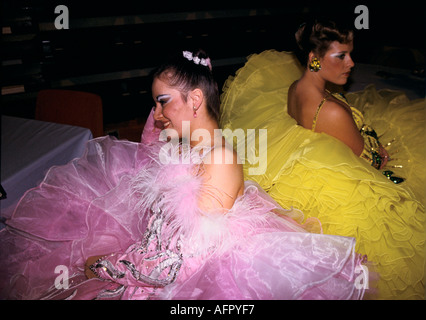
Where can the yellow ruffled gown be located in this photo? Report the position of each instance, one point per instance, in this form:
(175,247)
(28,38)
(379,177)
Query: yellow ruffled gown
(321,176)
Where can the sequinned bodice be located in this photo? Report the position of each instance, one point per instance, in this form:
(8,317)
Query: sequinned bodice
(371,150)
(371,141)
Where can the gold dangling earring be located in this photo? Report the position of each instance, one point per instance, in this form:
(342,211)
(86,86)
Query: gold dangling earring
(315,65)
(195,111)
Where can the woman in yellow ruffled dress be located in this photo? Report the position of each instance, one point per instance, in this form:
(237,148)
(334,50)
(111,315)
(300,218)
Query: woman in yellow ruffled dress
(360,182)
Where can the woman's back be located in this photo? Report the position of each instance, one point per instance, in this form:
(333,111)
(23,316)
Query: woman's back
(302,104)
(322,112)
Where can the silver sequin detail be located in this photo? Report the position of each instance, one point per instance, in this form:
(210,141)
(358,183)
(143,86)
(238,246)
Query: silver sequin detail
(109,294)
(166,252)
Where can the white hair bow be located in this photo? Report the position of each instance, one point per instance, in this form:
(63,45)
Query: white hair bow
(205,62)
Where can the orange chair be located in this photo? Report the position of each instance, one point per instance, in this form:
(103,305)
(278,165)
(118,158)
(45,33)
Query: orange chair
(75,108)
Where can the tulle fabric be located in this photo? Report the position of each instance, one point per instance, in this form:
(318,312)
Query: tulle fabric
(78,211)
(320,176)
(100,205)
(249,271)
(400,123)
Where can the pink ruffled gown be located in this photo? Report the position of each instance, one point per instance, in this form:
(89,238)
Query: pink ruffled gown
(120,201)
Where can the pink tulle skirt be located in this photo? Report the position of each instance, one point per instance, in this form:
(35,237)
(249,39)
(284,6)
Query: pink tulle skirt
(101,204)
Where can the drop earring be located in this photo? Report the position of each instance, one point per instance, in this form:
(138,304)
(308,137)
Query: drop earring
(195,111)
(315,65)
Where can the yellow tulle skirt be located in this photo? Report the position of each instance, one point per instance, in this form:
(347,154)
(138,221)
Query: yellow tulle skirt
(321,176)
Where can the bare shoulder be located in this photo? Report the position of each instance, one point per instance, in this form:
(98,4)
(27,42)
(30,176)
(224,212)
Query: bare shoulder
(224,173)
(302,103)
(336,119)
(292,87)
(334,113)
(223,160)
(291,101)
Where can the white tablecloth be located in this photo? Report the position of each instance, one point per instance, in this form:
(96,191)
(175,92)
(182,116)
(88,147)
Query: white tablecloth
(29,148)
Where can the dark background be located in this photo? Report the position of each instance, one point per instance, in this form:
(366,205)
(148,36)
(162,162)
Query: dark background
(110,47)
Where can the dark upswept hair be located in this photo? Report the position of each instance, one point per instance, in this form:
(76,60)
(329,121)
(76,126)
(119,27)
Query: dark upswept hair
(186,75)
(317,35)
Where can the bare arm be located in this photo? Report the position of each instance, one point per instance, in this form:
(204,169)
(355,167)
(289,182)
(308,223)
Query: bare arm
(337,121)
(224,179)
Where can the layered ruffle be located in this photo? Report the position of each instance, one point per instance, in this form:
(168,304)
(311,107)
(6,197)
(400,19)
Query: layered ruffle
(79,210)
(321,176)
(119,201)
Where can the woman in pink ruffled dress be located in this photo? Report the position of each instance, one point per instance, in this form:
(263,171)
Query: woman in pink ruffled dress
(169,218)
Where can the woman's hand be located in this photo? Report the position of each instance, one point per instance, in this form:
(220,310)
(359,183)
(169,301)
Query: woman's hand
(87,271)
(384,155)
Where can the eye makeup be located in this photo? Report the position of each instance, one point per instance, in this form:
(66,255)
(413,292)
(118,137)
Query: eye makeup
(340,55)
(163,98)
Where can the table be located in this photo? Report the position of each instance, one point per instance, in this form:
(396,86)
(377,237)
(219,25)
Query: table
(29,148)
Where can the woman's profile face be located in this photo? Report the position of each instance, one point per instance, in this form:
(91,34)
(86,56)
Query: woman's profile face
(170,108)
(337,63)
